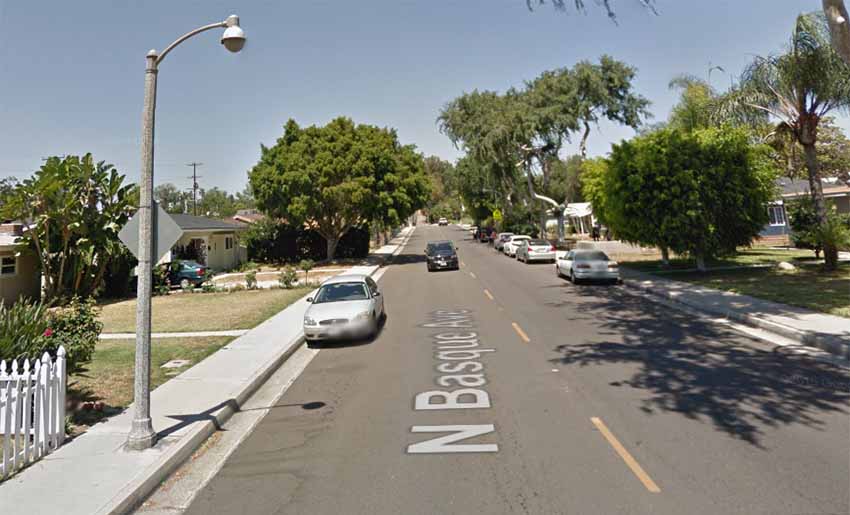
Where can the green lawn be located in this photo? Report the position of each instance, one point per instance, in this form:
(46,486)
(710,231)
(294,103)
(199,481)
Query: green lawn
(109,376)
(744,257)
(808,286)
(180,312)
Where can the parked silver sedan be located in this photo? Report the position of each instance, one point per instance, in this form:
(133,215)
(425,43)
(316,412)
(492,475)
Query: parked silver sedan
(535,250)
(587,264)
(345,306)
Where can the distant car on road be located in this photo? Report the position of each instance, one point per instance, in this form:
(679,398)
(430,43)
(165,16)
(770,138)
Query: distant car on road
(441,255)
(345,306)
(442,221)
(587,264)
(186,273)
(535,250)
(485,235)
(511,245)
(501,239)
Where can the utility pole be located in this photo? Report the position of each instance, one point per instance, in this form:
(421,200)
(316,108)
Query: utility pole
(195,178)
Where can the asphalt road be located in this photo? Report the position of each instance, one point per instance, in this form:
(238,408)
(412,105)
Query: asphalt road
(600,402)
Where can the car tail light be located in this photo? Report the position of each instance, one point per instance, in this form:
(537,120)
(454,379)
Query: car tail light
(612,265)
(552,248)
(583,266)
(201,272)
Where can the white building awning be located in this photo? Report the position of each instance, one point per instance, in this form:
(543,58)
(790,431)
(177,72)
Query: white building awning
(578,209)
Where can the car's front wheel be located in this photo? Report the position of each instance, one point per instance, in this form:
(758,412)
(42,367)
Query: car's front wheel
(184,283)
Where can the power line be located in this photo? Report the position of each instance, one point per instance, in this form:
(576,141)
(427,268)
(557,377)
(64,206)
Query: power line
(194,178)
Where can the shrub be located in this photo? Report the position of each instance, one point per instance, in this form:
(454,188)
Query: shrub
(287,277)
(251,280)
(77,328)
(22,325)
(306,265)
(29,329)
(208,287)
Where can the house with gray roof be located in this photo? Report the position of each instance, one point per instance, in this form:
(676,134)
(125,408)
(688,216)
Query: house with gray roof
(212,243)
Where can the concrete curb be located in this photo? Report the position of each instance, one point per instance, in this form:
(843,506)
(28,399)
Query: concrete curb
(177,452)
(832,344)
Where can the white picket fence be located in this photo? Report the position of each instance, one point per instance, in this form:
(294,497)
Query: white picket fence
(32,410)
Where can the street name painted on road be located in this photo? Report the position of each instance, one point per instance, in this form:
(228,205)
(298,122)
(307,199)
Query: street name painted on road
(456,350)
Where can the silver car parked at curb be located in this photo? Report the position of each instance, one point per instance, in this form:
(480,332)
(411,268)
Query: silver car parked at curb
(587,264)
(345,306)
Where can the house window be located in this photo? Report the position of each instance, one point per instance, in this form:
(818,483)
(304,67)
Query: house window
(228,243)
(8,265)
(776,215)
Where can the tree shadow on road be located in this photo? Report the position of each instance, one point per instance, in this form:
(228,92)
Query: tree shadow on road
(703,370)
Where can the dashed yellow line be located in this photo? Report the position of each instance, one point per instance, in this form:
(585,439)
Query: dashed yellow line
(488,294)
(520,332)
(472,275)
(462,264)
(627,457)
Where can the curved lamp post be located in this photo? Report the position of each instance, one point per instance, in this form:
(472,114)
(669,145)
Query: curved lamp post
(142,436)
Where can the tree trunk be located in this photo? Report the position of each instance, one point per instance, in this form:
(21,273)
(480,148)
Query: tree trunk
(836,16)
(830,252)
(543,232)
(583,145)
(665,257)
(332,243)
(701,262)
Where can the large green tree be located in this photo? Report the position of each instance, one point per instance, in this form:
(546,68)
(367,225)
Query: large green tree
(529,126)
(339,176)
(701,192)
(72,208)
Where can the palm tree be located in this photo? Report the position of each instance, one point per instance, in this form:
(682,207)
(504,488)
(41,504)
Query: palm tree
(798,89)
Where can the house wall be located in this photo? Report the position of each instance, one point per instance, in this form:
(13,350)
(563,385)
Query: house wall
(220,257)
(26,282)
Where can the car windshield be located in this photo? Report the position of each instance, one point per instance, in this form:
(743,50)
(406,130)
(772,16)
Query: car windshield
(537,243)
(442,248)
(593,255)
(338,292)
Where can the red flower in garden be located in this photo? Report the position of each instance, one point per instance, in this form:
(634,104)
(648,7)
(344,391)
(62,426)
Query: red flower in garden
(48,332)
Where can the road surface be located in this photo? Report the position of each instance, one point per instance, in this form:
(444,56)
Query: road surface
(581,399)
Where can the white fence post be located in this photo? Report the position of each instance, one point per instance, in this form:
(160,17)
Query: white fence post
(32,410)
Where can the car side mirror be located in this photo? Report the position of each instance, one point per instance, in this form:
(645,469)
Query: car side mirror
(309,299)
(376,294)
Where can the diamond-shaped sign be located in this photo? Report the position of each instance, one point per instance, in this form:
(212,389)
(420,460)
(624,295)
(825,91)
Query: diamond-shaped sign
(166,232)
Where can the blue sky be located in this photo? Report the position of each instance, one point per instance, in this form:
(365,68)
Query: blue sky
(71,73)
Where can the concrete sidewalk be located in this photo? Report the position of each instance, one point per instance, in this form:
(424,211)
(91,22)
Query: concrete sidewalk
(826,332)
(94,474)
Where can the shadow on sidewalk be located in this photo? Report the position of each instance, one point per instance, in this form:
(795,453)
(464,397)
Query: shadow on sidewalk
(699,369)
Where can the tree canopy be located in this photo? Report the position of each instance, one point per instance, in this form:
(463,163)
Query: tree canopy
(528,127)
(73,208)
(339,176)
(702,193)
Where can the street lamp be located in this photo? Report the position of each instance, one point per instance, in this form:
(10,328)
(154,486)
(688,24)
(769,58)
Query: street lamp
(142,436)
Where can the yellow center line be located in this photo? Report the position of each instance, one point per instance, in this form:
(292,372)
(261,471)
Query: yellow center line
(630,461)
(520,332)
(463,264)
(473,275)
(488,294)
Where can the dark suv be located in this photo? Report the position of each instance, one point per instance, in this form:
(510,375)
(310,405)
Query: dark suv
(441,255)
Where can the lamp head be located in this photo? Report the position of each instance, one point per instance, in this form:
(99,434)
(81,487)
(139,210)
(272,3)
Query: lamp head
(233,38)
